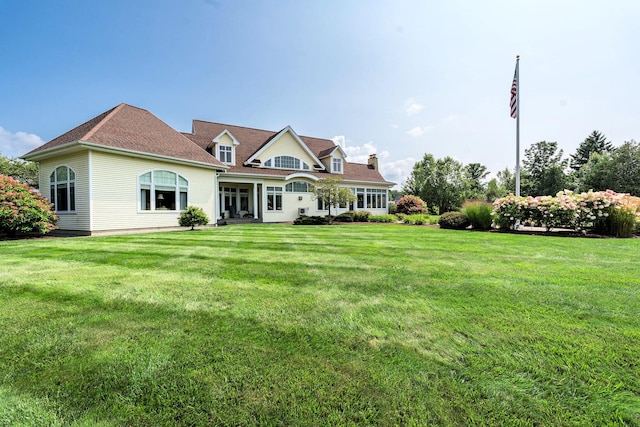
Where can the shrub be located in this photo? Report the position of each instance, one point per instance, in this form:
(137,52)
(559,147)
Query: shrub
(311,220)
(361,216)
(383,218)
(393,208)
(344,217)
(479,214)
(23,210)
(622,221)
(192,216)
(411,205)
(454,220)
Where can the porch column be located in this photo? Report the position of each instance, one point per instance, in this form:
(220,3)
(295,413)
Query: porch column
(216,199)
(255,200)
(223,206)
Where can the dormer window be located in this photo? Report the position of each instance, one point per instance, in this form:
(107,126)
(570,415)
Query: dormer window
(286,162)
(336,166)
(225,154)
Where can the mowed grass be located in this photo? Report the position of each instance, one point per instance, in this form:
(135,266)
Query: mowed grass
(331,325)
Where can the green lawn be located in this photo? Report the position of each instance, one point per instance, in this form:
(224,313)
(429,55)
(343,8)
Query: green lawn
(332,325)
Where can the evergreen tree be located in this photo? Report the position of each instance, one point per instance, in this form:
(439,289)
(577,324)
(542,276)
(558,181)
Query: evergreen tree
(594,143)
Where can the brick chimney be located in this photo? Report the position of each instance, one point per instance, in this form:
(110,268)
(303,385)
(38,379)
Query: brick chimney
(373,161)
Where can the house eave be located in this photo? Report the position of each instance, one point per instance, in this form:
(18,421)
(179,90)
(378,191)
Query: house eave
(83,145)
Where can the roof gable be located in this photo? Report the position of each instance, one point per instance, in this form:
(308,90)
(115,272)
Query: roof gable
(329,152)
(253,140)
(275,139)
(133,130)
(226,132)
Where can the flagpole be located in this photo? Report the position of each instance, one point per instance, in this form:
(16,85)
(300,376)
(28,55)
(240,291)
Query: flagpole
(518,127)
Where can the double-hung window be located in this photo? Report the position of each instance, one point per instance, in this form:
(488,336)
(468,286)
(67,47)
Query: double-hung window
(62,185)
(274,198)
(162,190)
(226,153)
(336,166)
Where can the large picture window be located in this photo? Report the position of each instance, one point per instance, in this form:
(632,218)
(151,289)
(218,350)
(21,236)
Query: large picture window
(274,198)
(62,185)
(162,190)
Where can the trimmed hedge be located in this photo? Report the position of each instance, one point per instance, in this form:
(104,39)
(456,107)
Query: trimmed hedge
(454,220)
(383,218)
(310,220)
(344,217)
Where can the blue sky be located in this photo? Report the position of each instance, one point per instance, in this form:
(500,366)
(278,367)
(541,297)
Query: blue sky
(399,78)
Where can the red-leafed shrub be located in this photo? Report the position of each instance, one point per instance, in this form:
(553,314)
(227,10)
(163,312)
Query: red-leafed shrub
(23,210)
(411,205)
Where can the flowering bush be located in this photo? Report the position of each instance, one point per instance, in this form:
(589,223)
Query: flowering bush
(411,205)
(23,210)
(589,210)
(510,209)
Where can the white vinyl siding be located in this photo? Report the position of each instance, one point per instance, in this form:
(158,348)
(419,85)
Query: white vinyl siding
(116,203)
(78,219)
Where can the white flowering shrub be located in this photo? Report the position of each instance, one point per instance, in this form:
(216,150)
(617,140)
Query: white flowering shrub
(589,210)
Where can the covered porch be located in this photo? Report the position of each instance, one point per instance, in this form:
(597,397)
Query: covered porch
(239,202)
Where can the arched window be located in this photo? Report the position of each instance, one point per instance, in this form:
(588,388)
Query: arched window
(298,187)
(62,185)
(286,162)
(162,190)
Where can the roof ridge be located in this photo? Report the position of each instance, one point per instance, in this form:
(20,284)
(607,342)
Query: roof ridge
(103,121)
(238,126)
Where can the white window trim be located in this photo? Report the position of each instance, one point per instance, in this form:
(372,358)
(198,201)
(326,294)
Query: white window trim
(266,201)
(334,161)
(233,154)
(68,182)
(273,161)
(152,201)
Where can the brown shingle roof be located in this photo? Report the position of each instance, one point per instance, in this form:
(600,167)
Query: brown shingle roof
(133,129)
(251,140)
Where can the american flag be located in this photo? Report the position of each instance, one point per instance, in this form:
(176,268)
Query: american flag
(514,94)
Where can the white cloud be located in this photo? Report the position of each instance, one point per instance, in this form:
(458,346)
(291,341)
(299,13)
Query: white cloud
(17,144)
(420,130)
(397,171)
(414,109)
(355,153)
(411,107)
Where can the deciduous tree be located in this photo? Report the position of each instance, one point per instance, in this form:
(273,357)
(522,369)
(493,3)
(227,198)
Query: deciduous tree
(545,167)
(25,172)
(330,191)
(440,182)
